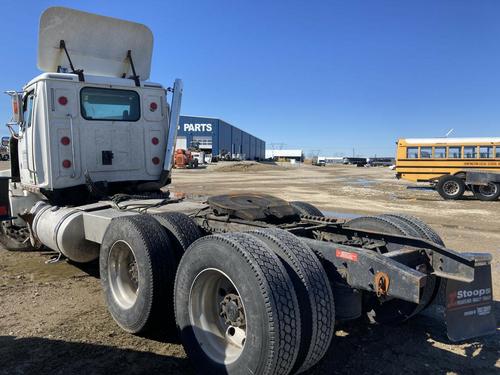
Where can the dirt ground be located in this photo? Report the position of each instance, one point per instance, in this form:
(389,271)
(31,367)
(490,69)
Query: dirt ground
(53,319)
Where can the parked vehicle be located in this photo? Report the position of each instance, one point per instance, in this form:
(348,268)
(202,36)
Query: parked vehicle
(359,162)
(452,165)
(185,159)
(253,283)
(380,162)
(319,162)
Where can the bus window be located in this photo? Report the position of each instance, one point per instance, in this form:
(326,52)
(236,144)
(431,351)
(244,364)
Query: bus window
(485,152)
(497,152)
(412,153)
(439,152)
(455,152)
(470,152)
(425,152)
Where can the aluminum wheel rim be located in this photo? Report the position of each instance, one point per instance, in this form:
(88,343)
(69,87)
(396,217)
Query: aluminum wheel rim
(451,188)
(488,190)
(223,342)
(123,274)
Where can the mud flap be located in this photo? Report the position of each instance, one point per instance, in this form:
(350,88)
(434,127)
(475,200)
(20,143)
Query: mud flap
(469,306)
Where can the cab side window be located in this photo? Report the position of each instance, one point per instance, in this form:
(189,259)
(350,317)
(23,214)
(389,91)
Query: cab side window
(28,109)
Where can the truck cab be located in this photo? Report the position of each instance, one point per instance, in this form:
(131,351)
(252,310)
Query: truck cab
(253,283)
(92,117)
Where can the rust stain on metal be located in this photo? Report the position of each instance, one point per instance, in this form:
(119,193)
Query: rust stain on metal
(381,283)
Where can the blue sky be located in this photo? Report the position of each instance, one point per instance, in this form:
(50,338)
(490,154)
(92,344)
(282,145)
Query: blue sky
(318,75)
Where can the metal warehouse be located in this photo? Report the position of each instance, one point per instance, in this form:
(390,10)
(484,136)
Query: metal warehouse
(219,138)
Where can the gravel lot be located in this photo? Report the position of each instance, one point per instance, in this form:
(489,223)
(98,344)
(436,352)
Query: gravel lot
(53,319)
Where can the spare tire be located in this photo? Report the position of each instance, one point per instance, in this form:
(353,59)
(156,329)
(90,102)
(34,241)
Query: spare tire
(137,266)
(236,307)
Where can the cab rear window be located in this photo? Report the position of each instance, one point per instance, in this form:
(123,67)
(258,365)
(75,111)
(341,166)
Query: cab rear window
(99,104)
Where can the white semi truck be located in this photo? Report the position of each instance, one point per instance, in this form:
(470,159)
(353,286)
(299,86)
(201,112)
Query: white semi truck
(252,283)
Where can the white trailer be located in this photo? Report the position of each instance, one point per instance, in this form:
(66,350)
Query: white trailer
(252,283)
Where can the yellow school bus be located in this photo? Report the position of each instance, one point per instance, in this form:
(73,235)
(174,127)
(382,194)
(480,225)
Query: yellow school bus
(452,165)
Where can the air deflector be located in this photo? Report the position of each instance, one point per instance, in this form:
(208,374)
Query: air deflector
(96,44)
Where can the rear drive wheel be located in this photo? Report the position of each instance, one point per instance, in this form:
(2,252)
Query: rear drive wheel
(137,267)
(181,230)
(306,209)
(394,311)
(451,187)
(425,230)
(314,294)
(236,307)
(489,192)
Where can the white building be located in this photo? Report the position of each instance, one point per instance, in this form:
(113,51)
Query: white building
(285,155)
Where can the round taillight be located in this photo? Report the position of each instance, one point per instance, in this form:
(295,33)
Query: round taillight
(65,141)
(153,106)
(62,100)
(156,160)
(66,163)
(155,140)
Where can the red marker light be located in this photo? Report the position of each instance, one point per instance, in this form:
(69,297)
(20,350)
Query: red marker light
(65,141)
(153,106)
(156,160)
(62,100)
(155,141)
(66,163)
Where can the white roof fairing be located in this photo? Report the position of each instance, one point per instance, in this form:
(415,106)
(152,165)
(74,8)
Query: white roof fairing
(96,44)
(431,141)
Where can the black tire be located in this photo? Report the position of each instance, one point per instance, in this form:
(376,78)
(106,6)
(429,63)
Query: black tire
(438,296)
(195,163)
(425,230)
(268,298)
(155,265)
(487,193)
(306,209)
(407,228)
(377,224)
(394,311)
(15,241)
(450,187)
(313,290)
(181,229)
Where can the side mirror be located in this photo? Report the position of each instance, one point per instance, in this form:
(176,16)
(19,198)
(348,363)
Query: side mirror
(17,108)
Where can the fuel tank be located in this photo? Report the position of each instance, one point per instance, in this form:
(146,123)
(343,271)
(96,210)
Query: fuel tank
(61,229)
